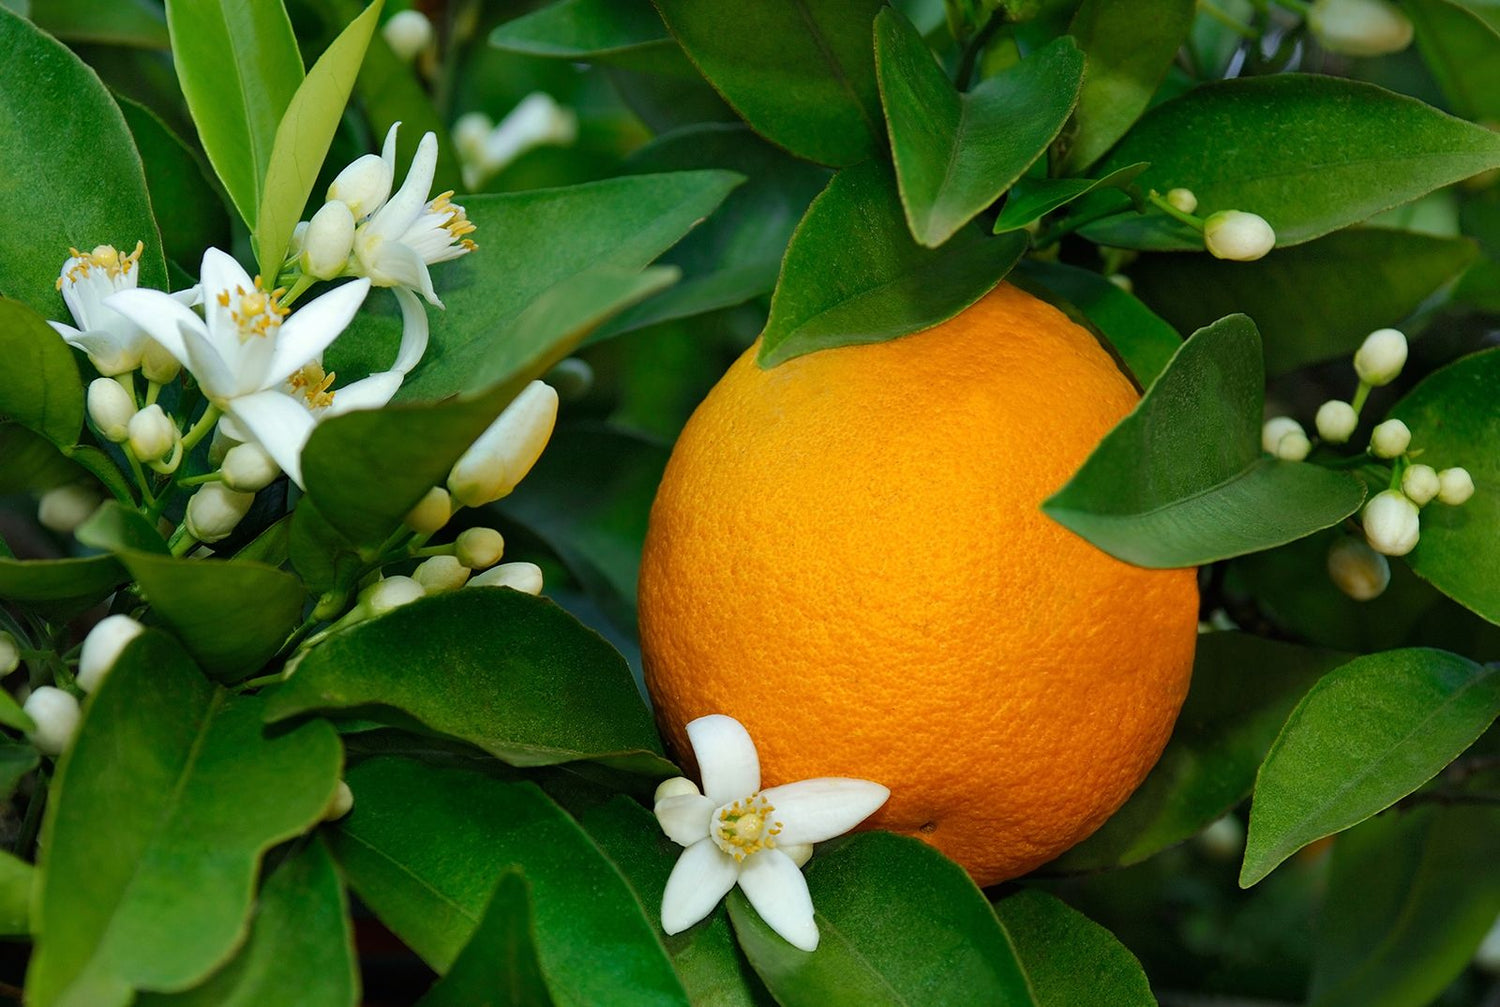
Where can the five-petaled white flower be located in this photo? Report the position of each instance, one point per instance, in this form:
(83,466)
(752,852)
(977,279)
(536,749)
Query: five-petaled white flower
(114,343)
(737,833)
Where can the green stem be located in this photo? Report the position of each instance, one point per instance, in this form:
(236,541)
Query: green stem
(1297,6)
(299,287)
(264,680)
(1057,232)
(201,428)
(181,542)
(975,48)
(147,497)
(1162,203)
(207,477)
(434,550)
(1360,395)
(32,823)
(127,382)
(153,389)
(1228,20)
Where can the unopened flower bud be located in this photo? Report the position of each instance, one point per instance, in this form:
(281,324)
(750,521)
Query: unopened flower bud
(1390,439)
(102,648)
(158,365)
(340,804)
(219,447)
(469,133)
(1392,523)
(299,235)
(1380,357)
(536,121)
(1357,570)
(800,853)
(152,434)
(431,512)
(1274,429)
(215,510)
(1293,447)
(677,786)
(504,453)
(1336,421)
(1420,484)
(110,408)
(248,468)
(479,548)
(407,32)
(362,186)
(64,508)
(388,594)
(329,239)
(1183,200)
(1359,27)
(1224,839)
(10,653)
(437,574)
(523,577)
(56,716)
(1237,235)
(572,377)
(1455,486)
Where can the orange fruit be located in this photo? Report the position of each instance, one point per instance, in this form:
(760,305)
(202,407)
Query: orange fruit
(846,554)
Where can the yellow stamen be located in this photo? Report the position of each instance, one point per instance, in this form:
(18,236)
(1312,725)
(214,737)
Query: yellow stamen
(105,257)
(255,312)
(314,385)
(745,827)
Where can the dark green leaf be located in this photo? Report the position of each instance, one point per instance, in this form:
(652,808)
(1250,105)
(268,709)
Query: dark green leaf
(61,587)
(33,464)
(17,880)
(127,22)
(41,390)
(16,760)
(189,212)
(1069,958)
(853,273)
(193,791)
(1181,481)
(498,967)
(518,677)
(1367,735)
(320,553)
(1463,52)
(1031,200)
(956,153)
(626,33)
(113,527)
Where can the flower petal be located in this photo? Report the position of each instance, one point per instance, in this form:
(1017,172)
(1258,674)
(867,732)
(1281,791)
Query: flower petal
(109,354)
(161,315)
(219,274)
(777,890)
(685,818)
(388,149)
(413,330)
(397,264)
(727,762)
(309,330)
(703,875)
(279,423)
(402,209)
(814,810)
(205,364)
(366,393)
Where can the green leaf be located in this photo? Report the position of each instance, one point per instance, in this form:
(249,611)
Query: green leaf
(301,945)
(59,587)
(425,847)
(16,760)
(66,147)
(1452,419)
(624,33)
(1367,735)
(1129,48)
(1243,688)
(1069,958)
(853,273)
(801,73)
(189,211)
(33,464)
(1410,896)
(303,136)
(1313,302)
(41,390)
(899,923)
(239,68)
(113,527)
(13,716)
(499,965)
(533,687)
(1462,51)
(1309,154)
(1032,199)
(129,22)
(956,153)
(1181,481)
(193,791)
(17,882)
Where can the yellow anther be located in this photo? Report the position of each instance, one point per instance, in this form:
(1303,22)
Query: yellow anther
(314,385)
(745,827)
(106,257)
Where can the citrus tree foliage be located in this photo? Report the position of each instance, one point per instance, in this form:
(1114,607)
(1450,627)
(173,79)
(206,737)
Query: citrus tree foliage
(1231,195)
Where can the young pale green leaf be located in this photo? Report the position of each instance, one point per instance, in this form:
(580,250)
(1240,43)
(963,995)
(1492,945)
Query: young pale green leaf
(853,273)
(801,73)
(517,676)
(302,138)
(898,923)
(424,848)
(301,945)
(1181,481)
(41,390)
(1368,734)
(1032,199)
(623,33)
(1453,420)
(1314,302)
(239,67)
(72,175)
(1310,154)
(17,881)
(129,22)
(1069,958)
(1129,48)
(194,790)
(190,213)
(1462,51)
(1243,688)
(956,153)
(498,967)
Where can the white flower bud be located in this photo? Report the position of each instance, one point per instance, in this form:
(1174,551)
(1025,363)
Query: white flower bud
(407,32)
(363,185)
(1183,200)
(470,133)
(431,512)
(248,468)
(1392,523)
(64,508)
(1420,484)
(523,577)
(1293,447)
(1380,357)
(1336,421)
(536,121)
(220,445)
(158,365)
(504,453)
(800,853)
(677,786)
(328,242)
(110,408)
(1456,486)
(152,434)
(215,510)
(1122,281)
(1274,429)
(437,574)
(340,804)
(56,715)
(299,235)
(1237,235)
(1357,570)
(1224,839)
(102,648)
(388,594)
(10,654)
(1359,27)
(479,548)
(1390,439)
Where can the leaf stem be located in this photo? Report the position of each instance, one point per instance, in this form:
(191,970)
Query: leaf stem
(1161,203)
(970,59)
(1073,222)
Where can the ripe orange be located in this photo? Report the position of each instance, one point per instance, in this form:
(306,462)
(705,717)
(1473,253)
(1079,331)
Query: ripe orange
(847,555)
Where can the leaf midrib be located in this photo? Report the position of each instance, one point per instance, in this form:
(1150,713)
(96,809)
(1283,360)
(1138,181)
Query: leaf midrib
(844,82)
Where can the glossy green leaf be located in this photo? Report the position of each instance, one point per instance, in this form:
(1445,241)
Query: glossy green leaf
(113,527)
(33,464)
(498,967)
(41,390)
(59,587)
(625,33)
(239,68)
(1129,48)
(956,153)
(17,881)
(126,22)
(194,790)
(425,847)
(518,677)
(320,553)
(1364,737)
(1069,958)
(1032,199)
(854,274)
(189,212)
(66,146)
(303,135)
(1243,688)
(301,945)
(801,73)
(1313,302)
(99,465)
(1453,420)
(1181,481)
(1462,51)
(16,760)
(1309,154)
(899,923)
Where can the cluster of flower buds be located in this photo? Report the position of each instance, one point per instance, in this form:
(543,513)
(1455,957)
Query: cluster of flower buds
(1235,235)
(55,712)
(485,149)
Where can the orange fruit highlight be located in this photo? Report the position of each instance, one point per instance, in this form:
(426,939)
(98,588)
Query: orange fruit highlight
(846,554)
